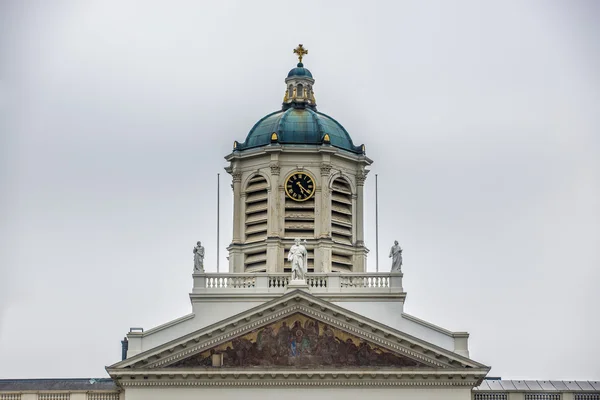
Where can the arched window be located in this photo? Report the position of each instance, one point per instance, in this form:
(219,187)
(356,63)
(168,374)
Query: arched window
(300,90)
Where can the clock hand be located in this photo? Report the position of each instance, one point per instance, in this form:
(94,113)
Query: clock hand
(302,189)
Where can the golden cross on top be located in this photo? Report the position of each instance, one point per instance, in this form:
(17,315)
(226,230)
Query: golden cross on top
(300,51)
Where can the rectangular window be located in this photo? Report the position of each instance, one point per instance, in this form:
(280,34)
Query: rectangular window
(587,396)
(103,396)
(54,396)
(490,396)
(542,396)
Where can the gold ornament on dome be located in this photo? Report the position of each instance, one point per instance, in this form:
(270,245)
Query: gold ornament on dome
(300,51)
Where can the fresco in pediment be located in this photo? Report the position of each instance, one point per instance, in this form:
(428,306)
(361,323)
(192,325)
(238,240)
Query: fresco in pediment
(298,341)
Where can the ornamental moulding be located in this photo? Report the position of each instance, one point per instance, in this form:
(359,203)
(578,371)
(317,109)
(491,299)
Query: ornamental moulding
(300,378)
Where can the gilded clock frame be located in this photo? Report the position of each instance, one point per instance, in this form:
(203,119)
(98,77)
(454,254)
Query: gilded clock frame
(289,176)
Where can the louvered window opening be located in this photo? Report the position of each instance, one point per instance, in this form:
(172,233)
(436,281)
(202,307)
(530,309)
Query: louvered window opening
(341,212)
(257,206)
(490,396)
(341,224)
(542,396)
(54,396)
(299,218)
(103,396)
(587,396)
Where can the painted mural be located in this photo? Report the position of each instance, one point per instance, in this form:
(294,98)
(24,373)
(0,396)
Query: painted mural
(299,341)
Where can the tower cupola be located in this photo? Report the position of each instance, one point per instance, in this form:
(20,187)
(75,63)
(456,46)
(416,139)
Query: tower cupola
(299,85)
(298,175)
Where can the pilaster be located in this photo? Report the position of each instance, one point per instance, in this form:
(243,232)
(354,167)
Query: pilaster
(323,255)
(359,210)
(236,258)
(273,246)
(237,220)
(325,204)
(274,205)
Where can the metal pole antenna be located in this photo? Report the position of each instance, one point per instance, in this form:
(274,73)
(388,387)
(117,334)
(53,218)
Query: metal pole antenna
(218,204)
(376,228)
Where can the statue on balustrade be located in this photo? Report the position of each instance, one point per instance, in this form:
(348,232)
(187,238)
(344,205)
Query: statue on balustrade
(298,258)
(396,256)
(199,258)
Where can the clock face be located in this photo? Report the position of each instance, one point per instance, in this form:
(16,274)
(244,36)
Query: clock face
(299,186)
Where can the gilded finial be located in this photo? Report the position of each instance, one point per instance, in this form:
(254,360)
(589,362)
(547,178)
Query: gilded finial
(301,52)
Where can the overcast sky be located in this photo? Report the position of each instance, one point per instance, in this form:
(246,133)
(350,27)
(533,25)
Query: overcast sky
(482,118)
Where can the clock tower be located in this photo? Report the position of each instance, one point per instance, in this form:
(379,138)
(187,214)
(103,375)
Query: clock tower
(298,175)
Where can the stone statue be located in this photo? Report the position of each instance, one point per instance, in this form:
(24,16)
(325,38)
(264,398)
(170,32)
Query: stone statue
(198,258)
(396,255)
(298,257)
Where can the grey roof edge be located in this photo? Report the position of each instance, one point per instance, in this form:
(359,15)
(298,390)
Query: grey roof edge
(522,385)
(52,384)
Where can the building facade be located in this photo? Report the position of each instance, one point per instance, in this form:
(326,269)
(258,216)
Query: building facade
(336,332)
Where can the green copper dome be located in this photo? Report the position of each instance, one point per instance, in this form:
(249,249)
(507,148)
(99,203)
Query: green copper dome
(299,71)
(298,122)
(301,126)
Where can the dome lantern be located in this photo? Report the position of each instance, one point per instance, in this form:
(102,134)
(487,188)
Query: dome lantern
(299,85)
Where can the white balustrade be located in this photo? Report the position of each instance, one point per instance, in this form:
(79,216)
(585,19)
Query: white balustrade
(365,281)
(278,280)
(261,282)
(230,281)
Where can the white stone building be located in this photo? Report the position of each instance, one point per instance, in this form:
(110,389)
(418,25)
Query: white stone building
(253,333)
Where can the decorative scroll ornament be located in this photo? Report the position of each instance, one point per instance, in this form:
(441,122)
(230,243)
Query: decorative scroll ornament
(325,169)
(274,169)
(237,176)
(361,176)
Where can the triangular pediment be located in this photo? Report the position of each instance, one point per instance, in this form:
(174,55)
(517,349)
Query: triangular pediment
(302,333)
(298,341)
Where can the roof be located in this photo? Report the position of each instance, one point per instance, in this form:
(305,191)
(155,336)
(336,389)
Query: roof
(8,385)
(299,126)
(299,71)
(499,385)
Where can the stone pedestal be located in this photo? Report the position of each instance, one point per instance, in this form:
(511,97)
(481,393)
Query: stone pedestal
(297,284)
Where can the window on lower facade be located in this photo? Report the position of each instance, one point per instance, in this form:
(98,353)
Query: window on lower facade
(490,396)
(542,396)
(587,396)
(54,396)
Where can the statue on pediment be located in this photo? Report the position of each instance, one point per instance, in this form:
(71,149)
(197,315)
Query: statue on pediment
(298,258)
(199,258)
(396,256)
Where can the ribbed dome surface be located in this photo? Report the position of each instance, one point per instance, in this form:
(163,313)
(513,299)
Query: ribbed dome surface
(299,71)
(301,126)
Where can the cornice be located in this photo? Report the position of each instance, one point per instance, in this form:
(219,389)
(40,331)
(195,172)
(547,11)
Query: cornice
(313,377)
